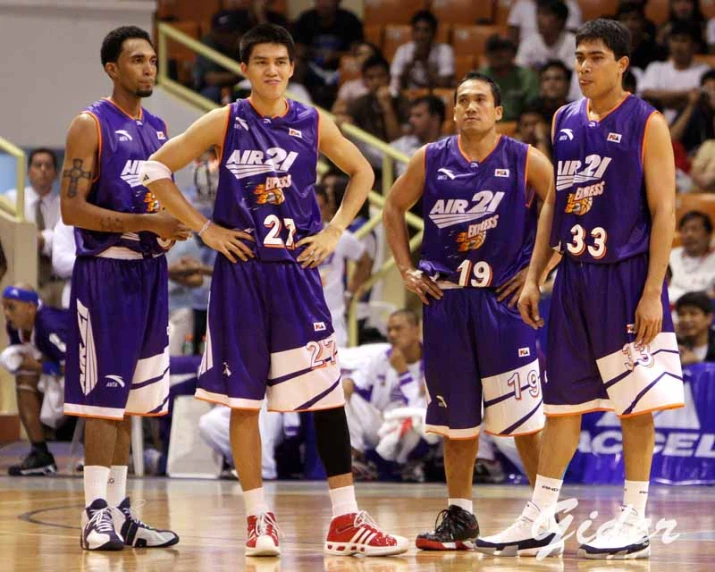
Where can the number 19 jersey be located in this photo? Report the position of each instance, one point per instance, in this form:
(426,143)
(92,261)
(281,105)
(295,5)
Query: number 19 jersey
(601,213)
(480,218)
(267,178)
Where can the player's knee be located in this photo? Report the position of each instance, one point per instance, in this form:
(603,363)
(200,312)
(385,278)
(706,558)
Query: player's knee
(333,440)
(26,383)
(638,422)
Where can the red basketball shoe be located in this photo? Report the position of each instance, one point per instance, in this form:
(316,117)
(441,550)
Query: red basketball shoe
(262,537)
(357,533)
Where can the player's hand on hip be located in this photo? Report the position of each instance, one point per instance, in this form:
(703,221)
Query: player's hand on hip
(415,281)
(512,287)
(229,242)
(529,305)
(649,319)
(168,227)
(318,247)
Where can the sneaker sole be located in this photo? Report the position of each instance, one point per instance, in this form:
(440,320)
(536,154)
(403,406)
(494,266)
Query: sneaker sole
(350,548)
(110,546)
(264,547)
(512,550)
(424,544)
(643,553)
(37,472)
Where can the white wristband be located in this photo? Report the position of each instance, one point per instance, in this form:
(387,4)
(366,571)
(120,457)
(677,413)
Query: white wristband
(206,225)
(152,171)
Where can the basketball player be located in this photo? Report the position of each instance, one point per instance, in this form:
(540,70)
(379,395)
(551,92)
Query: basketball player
(117,344)
(611,345)
(269,328)
(480,192)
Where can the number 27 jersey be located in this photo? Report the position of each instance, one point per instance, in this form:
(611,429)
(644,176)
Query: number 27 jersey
(267,178)
(601,212)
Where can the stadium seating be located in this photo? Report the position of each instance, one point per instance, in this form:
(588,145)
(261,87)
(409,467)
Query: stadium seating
(470,40)
(462,11)
(392,11)
(183,56)
(657,11)
(591,9)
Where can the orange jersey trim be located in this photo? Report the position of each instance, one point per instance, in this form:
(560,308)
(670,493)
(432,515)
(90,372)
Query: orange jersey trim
(645,137)
(588,107)
(225,131)
(99,145)
(125,112)
(529,192)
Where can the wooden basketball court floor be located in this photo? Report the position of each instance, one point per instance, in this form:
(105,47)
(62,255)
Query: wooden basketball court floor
(39,527)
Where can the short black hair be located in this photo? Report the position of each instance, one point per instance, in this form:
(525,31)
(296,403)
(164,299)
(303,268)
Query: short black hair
(699,300)
(265,34)
(497,43)
(40,150)
(611,32)
(478,76)
(630,8)
(707,76)
(425,16)
(556,64)
(411,316)
(698,16)
(555,7)
(113,42)
(435,105)
(630,82)
(686,28)
(374,62)
(695,215)
(531,109)
(320,191)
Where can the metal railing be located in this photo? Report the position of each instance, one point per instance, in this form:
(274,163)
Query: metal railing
(18,211)
(390,155)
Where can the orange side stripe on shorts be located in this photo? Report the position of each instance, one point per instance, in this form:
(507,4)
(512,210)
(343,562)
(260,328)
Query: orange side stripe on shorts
(661,408)
(566,414)
(513,434)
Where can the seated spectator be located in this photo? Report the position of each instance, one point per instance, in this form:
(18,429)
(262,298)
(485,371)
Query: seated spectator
(522,18)
(42,206)
(552,41)
(250,13)
(554,81)
(687,12)
(533,129)
(64,254)
(378,112)
(186,273)
(274,428)
(696,123)
(390,381)
(422,62)
(321,36)
(333,271)
(518,84)
(702,169)
(427,115)
(692,266)
(209,77)
(644,49)
(354,88)
(36,353)
(695,335)
(668,83)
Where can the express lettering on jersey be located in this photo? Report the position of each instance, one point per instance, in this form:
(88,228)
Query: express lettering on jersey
(570,175)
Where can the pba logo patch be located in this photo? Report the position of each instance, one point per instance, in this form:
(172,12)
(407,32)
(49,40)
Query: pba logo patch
(161,136)
(524,352)
(614,137)
(319,326)
(501,172)
(295,133)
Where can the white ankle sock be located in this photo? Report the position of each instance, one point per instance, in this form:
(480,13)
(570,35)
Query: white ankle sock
(343,500)
(95,483)
(635,494)
(117,484)
(546,493)
(464,504)
(255,502)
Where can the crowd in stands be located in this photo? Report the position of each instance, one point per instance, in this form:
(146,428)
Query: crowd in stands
(402,95)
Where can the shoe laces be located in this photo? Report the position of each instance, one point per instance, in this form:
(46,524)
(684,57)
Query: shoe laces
(129,513)
(362,518)
(101,519)
(264,522)
(449,521)
(625,523)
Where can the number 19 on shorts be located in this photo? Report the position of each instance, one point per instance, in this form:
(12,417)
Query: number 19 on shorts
(475,274)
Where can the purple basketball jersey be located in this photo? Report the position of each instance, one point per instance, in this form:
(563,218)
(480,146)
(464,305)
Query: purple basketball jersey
(601,213)
(480,221)
(124,144)
(267,178)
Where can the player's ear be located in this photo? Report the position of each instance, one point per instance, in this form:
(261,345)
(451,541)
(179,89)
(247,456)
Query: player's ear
(243,67)
(623,63)
(111,69)
(292,68)
(499,112)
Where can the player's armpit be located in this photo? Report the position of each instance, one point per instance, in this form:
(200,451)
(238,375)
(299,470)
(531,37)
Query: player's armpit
(540,175)
(206,132)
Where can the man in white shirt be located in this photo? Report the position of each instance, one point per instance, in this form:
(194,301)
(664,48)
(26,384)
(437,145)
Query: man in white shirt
(669,83)
(692,265)
(42,207)
(427,115)
(522,18)
(552,41)
(391,380)
(332,270)
(422,63)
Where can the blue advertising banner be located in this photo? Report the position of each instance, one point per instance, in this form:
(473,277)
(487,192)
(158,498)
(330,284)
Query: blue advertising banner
(684,442)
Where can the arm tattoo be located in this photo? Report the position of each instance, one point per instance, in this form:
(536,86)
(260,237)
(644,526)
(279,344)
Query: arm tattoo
(111,224)
(75,174)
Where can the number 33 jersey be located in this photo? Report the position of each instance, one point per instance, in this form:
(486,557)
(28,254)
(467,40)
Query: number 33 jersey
(480,218)
(267,178)
(601,213)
